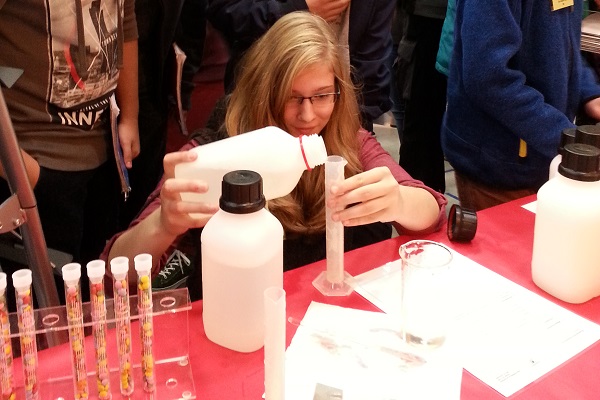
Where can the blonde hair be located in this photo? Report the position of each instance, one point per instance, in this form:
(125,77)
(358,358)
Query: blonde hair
(294,43)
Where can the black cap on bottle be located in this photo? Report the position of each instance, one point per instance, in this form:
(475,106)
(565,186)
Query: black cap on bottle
(588,134)
(580,162)
(566,136)
(242,192)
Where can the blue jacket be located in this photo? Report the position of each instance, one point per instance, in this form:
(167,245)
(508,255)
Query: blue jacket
(516,81)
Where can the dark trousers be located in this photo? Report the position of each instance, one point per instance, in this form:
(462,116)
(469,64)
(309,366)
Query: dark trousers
(420,149)
(78,212)
(78,209)
(477,196)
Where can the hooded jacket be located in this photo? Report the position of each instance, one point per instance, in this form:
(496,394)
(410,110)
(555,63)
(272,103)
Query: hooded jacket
(516,81)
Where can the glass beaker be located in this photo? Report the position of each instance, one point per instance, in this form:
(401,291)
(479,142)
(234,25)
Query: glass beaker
(425,291)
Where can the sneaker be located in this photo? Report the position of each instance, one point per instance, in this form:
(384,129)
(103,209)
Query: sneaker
(174,274)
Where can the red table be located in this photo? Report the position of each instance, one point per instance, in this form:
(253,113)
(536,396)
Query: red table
(503,243)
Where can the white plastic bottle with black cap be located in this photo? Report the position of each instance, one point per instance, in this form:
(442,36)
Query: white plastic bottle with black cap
(242,255)
(277,156)
(566,239)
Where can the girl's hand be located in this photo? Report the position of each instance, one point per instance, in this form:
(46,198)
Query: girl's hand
(375,196)
(175,213)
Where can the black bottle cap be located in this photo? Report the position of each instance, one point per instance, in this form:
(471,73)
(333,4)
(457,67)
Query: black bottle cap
(566,136)
(462,224)
(588,134)
(242,192)
(580,162)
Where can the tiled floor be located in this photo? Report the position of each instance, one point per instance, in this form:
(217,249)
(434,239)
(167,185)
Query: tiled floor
(388,137)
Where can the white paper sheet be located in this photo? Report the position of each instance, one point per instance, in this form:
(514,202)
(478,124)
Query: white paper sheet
(531,206)
(508,336)
(274,343)
(361,354)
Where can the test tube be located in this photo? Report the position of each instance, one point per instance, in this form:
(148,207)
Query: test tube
(332,282)
(274,349)
(143,266)
(22,283)
(71,274)
(334,173)
(119,267)
(7,377)
(95,272)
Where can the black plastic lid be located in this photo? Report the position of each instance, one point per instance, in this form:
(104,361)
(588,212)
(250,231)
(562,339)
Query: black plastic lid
(242,192)
(462,224)
(588,134)
(566,136)
(580,162)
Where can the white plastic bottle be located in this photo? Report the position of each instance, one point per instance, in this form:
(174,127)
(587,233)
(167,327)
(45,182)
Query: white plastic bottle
(566,239)
(277,156)
(242,255)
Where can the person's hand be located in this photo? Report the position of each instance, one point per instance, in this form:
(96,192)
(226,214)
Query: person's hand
(329,10)
(130,139)
(375,196)
(175,213)
(592,108)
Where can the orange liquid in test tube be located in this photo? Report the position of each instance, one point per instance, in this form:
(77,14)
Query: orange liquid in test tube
(7,378)
(143,266)
(96,270)
(119,267)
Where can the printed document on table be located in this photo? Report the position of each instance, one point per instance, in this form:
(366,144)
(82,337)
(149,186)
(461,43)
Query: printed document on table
(508,336)
(357,355)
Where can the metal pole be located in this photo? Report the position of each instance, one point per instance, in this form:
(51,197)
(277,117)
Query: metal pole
(33,236)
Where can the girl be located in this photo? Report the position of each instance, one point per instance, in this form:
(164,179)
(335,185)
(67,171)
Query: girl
(295,78)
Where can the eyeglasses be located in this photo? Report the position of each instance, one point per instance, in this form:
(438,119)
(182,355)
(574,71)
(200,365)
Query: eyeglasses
(318,100)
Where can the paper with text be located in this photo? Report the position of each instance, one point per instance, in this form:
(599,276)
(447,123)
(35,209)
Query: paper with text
(361,354)
(508,336)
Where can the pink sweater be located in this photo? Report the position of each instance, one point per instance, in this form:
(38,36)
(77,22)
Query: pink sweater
(372,155)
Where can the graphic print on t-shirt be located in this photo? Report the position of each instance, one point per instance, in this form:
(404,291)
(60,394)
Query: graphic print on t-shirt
(84,70)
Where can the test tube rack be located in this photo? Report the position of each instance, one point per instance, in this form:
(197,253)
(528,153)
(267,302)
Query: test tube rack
(174,379)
